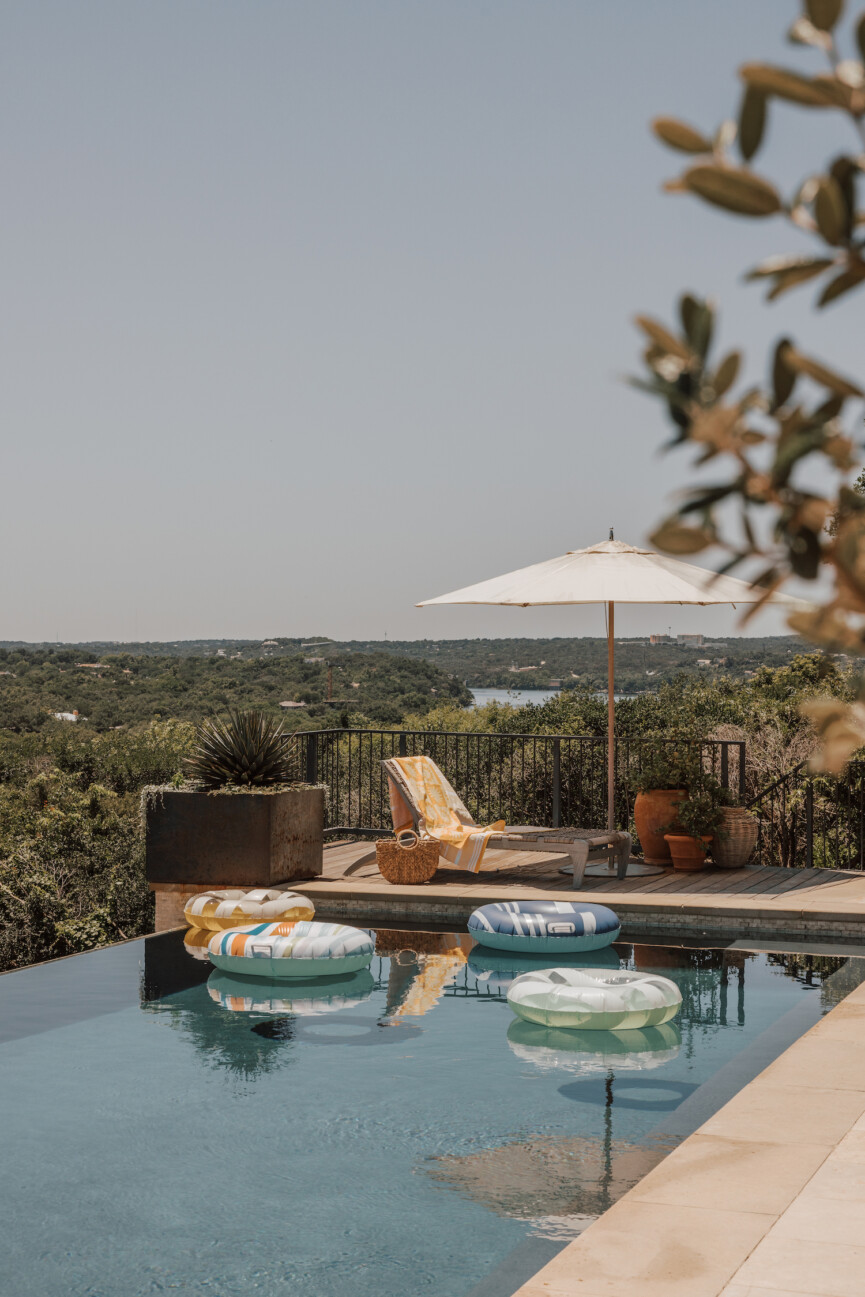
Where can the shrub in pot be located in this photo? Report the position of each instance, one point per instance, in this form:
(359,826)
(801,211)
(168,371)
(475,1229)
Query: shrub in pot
(698,822)
(668,770)
(238,821)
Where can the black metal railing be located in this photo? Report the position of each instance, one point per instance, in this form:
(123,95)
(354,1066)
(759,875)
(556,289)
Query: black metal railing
(813,820)
(554,779)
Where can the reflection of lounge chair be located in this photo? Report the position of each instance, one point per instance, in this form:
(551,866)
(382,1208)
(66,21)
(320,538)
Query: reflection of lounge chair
(421,798)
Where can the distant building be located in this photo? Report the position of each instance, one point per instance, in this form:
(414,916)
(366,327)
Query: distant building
(660,639)
(690,641)
(269,643)
(92,666)
(68,716)
(310,660)
(291,704)
(704,662)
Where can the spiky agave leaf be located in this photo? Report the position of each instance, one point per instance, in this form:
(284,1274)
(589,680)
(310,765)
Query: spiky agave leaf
(248,749)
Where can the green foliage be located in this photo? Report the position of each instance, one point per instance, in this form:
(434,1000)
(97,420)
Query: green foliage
(667,763)
(71,850)
(787,444)
(248,749)
(700,814)
(122,689)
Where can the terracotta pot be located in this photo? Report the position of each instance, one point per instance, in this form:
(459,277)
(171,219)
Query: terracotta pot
(653,813)
(737,838)
(687,852)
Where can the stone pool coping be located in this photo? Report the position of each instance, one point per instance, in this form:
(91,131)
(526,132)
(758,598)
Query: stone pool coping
(767,1197)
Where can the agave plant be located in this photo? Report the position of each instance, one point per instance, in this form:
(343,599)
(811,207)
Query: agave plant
(248,749)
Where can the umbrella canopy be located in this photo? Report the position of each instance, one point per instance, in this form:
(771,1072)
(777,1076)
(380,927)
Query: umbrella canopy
(609,573)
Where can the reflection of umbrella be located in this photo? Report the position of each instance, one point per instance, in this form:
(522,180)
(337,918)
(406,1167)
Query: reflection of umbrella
(326,995)
(556,1183)
(592,1052)
(496,969)
(608,573)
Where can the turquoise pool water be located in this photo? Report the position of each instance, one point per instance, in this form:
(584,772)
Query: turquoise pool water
(391,1134)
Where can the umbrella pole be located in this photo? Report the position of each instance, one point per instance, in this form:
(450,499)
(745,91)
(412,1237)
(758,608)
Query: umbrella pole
(611,720)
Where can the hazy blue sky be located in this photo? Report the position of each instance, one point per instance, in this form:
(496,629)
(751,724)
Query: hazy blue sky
(311,310)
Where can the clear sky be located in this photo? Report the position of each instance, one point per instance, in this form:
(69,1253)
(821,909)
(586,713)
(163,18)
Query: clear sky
(314,309)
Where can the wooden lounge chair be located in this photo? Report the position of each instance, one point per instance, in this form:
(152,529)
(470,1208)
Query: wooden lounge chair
(580,845)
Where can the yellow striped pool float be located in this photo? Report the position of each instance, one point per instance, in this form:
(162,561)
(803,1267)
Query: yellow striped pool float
(231,907)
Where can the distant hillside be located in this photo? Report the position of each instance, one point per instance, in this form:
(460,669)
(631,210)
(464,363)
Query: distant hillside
(113,689)
(482,663)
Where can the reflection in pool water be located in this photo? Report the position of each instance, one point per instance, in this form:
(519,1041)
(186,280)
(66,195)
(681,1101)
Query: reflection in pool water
(584,1052)
(323,995)
(467,1143)
(496,969)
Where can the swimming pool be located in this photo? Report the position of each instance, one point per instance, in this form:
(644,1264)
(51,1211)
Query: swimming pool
(171,1129)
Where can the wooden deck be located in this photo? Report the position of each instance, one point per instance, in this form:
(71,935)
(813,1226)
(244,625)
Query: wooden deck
(813,902)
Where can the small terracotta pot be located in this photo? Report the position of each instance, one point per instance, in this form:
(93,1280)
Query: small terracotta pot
(687,852)
(737,838)
(653,813)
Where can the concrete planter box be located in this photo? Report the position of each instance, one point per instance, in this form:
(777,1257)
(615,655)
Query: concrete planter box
(249,839)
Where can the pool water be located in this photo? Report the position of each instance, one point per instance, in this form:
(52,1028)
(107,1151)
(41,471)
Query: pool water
(398,1132)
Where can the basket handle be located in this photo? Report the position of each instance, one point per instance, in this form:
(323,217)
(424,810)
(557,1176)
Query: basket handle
(411,833)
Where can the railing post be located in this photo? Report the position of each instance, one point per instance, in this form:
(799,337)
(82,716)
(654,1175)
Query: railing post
(403,744)
(557,783)
(312,758)
(725,765)
(809,824)
(741,771)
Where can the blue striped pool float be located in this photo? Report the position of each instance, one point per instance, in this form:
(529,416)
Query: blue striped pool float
(544,927)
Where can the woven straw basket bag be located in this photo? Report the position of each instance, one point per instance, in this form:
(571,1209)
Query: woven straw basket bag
(407,858)
(733,847)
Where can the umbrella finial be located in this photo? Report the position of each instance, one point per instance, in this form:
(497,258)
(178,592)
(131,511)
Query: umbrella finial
(612,537)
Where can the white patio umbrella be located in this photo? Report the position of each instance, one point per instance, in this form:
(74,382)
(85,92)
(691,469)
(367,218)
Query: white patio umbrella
(609,573)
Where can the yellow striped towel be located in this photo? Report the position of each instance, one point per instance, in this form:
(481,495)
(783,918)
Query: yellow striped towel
(442,813)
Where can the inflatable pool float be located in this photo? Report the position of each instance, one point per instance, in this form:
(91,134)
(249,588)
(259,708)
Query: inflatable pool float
(594,999)
(306,999)
(230,907)
(285,950)
(588,1053)
(544,927)
(494,970)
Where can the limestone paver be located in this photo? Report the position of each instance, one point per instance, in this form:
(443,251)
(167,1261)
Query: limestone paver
(746,1290)
(784,1265)
(787,1114)
(645,1249)
(823,1220)
(732,1174)
(816,1061)
(841,1179)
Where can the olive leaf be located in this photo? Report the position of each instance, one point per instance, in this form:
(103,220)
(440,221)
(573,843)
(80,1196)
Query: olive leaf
(671,344)
(752,121)
(820,373)
(783,374)
(841,284)
(697,320)
(733,188)
(803,32)
(727,373)
(788,272)
(677,537)
(681,136)
(791,86)
(830,210)
(824,14)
